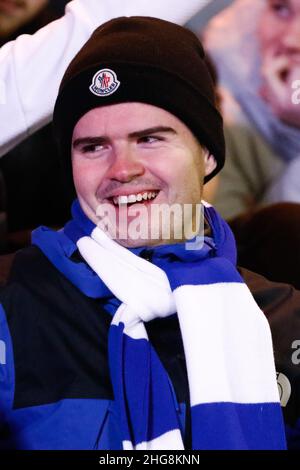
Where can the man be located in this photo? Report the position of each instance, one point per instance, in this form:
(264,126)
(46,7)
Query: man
(95,317)
(259,69)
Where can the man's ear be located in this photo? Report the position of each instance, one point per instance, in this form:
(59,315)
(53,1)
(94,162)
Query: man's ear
(209,162)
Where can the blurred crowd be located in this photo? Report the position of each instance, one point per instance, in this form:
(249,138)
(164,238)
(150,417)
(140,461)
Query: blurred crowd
(258,72)
(257,66)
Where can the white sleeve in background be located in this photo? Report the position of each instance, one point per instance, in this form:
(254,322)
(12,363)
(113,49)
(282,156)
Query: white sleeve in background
(32,66)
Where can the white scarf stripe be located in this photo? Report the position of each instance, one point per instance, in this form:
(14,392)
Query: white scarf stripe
(169,441)
(221,320)
(150,288)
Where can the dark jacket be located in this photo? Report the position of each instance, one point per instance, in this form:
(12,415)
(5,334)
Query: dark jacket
(55,390)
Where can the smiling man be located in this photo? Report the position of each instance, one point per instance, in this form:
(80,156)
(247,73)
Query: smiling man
(132,342)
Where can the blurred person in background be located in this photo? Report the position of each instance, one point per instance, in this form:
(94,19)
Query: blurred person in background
(26,16)
(258,67)
(30,172)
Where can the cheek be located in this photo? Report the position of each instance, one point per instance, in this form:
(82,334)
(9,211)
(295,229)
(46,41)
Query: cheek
(184,177)
(86,178)
(196,177)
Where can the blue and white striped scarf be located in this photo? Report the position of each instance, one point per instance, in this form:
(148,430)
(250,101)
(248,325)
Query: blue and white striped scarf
(227,343)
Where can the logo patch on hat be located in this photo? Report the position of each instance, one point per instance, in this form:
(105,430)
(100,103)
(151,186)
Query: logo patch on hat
(104,83)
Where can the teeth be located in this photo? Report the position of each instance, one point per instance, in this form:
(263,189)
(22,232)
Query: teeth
(134,198)
(131,198)
(120,200)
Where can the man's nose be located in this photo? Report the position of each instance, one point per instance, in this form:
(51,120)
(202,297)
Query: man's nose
(291,40)
(126,165)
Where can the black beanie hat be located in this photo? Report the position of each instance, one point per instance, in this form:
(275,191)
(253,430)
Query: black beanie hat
(147,60)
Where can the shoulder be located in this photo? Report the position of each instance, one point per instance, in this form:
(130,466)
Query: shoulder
(24,266)
(32,288)
(281,304)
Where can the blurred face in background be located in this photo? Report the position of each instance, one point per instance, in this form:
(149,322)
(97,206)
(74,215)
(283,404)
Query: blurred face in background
(16,13)
(279,40)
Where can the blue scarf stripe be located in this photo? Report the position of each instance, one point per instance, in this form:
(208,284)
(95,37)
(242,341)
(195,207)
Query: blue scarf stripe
(259,426)
(119,407)
(144,390)
(222,235)
(83,223)
(58,248)
(213,272)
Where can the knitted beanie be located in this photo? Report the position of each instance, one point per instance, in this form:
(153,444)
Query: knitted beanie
(146,60)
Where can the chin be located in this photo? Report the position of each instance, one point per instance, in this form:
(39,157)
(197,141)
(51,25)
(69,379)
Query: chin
(130,243)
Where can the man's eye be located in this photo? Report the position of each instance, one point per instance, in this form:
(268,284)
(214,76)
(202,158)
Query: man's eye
(92,148)
(281,9)
(149,139)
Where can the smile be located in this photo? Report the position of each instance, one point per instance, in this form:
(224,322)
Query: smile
(133,198)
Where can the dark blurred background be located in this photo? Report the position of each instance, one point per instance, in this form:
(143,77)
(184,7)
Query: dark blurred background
(31,189)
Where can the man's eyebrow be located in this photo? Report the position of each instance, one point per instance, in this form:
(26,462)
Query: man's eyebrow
(152,130)
(89,140)
(98,140)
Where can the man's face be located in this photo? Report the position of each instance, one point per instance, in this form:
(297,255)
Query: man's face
(135,152)
(16,13)
(279,39)
(280,28)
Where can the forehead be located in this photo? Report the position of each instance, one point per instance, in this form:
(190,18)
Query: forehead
(125,118)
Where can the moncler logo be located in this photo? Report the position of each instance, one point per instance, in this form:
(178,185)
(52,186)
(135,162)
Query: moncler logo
(284,388)
(104,83)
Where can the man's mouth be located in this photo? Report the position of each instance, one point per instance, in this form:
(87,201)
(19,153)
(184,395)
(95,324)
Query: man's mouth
(142,197)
